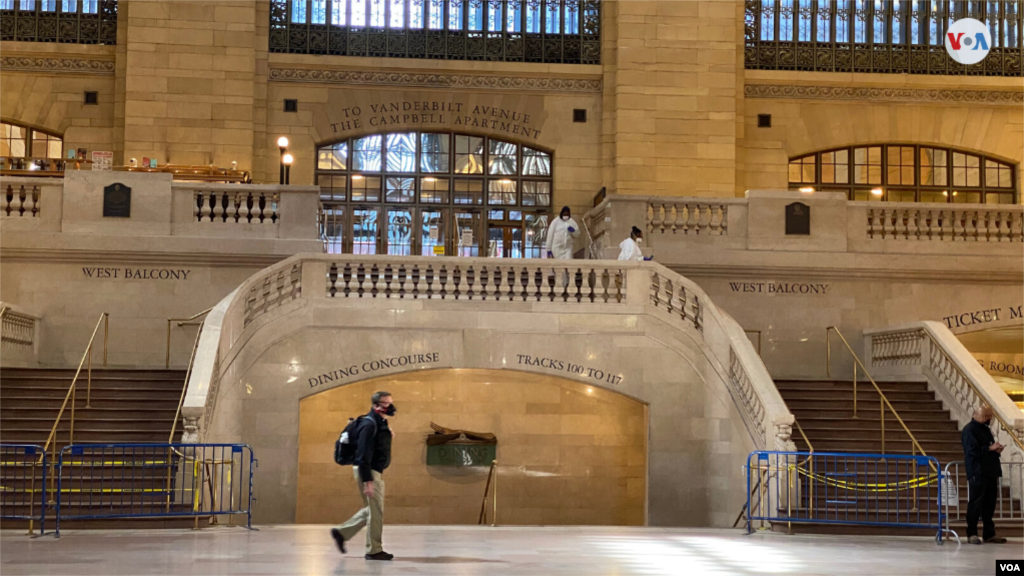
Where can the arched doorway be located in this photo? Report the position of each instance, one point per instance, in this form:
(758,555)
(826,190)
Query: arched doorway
(568,453)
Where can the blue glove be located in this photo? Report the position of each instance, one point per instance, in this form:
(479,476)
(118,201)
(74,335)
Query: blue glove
(550,255)
(648,258)
(571,229)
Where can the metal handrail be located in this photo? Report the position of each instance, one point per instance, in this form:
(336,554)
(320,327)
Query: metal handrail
(184,387)
(181,322)
(104,319)
(884,400)
(1006,427)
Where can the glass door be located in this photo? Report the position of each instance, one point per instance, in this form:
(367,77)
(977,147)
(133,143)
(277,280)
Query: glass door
(467,232)
(433,231)
(399,236)
(365,232)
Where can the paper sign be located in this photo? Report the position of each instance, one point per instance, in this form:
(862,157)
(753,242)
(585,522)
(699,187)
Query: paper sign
(152,162)
(102,160)
(467,238)
(439,250)
(950,493)
(433,233)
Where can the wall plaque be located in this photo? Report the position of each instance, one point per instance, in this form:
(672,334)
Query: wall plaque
(451,447)
(798,219)
(117,201)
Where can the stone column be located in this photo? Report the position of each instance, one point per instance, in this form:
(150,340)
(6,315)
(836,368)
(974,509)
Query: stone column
(671,75)
(188,81)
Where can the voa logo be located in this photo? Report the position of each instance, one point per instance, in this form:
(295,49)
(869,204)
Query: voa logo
(1008,567)
(968,41)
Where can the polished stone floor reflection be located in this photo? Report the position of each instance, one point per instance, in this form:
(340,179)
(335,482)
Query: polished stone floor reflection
(458,550)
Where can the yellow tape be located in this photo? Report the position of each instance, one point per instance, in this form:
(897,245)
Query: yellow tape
(913,483)
(9,490)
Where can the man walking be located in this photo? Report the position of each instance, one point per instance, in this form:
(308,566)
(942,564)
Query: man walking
(373,455)
(981,457)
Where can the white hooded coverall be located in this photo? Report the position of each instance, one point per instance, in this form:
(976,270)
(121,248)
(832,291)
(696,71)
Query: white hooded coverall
(630,250)
(560,241)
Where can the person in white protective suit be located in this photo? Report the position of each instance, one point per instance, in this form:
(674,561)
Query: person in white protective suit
(561,233)
(630,247)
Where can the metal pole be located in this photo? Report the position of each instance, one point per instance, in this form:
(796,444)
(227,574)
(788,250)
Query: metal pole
(167,361)
(32,500)
(881,412)
(828,353)
(855,390)
(71,435)
(88,390)
(494,495)
(106,331)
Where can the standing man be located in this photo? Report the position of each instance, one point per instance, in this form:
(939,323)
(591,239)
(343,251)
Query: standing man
(981,456)
(373,455)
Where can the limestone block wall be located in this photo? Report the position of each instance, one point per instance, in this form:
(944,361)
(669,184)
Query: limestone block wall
(568,453)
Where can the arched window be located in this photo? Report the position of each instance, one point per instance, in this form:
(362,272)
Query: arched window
(434,193)
(907,173)
(553,31)
(21,142)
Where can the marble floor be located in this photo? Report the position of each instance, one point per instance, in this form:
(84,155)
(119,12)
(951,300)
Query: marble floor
(464,550)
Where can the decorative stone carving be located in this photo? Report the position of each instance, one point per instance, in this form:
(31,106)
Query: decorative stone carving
(882,94)
(545,84)
(784,438)
(62,65)
(190,435)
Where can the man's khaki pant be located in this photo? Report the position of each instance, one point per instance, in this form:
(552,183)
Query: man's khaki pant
(372,513)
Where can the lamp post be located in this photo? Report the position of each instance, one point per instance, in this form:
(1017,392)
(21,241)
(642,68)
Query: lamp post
(286,161)
(282,145)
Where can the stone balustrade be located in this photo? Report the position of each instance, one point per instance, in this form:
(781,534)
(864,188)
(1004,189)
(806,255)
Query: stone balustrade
(20,200)
(477,284)
(688,216)
(674,225)
(19,336)
(929,351)
(247,206)
(944,223)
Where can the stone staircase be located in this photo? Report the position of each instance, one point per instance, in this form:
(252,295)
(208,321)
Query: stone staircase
(825,410)
(128,406)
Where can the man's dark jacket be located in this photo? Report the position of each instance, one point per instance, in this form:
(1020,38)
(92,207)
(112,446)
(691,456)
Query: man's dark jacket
(373,445)
(980,461)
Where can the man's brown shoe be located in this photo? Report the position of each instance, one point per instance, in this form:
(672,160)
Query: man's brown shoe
(995,540)
(974,540)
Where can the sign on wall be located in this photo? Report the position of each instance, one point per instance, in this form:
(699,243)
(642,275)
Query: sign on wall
(117,201)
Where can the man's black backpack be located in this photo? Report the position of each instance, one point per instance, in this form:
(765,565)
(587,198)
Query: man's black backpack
(345,447)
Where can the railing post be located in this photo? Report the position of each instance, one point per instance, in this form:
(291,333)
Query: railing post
(855,390)
(167,360)
(828,353)
(881,410)
(314,279)
(494,495)
(88,389)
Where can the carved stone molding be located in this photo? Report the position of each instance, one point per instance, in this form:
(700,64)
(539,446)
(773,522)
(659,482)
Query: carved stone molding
(435,80)
(62,65)
(882,94)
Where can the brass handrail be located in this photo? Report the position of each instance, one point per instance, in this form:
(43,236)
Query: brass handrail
(181,322)
(181,400)
(1006,427)
(104,319)
(884,401)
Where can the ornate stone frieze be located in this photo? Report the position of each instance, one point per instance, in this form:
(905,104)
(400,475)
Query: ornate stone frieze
(62,65)
(435,80)
(882,94)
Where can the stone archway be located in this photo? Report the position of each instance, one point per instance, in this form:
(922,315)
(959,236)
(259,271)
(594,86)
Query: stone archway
(568,453)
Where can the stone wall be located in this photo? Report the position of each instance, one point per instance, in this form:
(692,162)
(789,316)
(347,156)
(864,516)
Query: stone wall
(568,453)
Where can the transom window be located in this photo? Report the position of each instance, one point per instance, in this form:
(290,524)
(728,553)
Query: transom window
(64,21)
(895,36)
(907,173)
(563,31)
(434,193)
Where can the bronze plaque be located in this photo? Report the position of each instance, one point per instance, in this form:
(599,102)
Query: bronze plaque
(798,219)
(117,201)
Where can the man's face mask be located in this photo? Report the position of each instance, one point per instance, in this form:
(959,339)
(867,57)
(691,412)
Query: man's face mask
(389,411)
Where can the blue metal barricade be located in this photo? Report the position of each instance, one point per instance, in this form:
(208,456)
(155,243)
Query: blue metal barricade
(154,480)
(840,488)
(23,469)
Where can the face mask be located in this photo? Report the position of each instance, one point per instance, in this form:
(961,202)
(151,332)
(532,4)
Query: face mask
(566,218)
(639,240)
(389,411)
